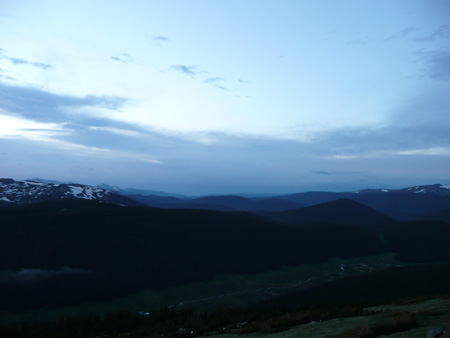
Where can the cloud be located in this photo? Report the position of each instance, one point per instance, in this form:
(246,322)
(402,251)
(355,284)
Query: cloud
(373,142)
(437,63)
(17,61)
(438,151)
(422,123)
(442,32)
(214,80)
(189,70)
(362,41)
(123,58)
(42,106)
(403,33)
(333,173)
(153,161)
(222,88)
(6,77)
(243,81)
(60,124)
(161,38)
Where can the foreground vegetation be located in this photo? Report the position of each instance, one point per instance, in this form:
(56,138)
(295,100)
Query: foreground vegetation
(327,302)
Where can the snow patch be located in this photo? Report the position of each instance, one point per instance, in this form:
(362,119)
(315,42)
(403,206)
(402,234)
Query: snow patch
(384,190)
(6,199)
(76,190)
(33,183)
(88,193)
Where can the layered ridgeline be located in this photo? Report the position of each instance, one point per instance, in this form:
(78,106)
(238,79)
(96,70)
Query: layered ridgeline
(403,204)
(413,203)
(418,202)
(26,192)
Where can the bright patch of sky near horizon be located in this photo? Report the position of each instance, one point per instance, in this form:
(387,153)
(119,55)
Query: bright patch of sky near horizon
(226,96)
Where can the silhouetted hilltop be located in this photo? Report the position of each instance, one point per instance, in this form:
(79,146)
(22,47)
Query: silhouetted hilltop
(403,204)
(341,211)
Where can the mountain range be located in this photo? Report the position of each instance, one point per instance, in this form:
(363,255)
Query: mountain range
(412,203)
(401,204)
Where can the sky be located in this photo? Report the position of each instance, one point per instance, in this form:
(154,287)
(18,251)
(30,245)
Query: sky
(226,96)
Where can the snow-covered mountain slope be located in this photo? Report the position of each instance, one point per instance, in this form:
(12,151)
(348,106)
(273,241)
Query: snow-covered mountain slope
(133,191)
(438,189)
(26,192)
(435,189)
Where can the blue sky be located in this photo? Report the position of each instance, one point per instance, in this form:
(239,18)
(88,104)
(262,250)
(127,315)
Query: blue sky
(226,96)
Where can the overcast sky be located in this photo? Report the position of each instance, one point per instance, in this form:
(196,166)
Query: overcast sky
(226,96)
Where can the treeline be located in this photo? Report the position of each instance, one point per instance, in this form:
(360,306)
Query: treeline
(176,323)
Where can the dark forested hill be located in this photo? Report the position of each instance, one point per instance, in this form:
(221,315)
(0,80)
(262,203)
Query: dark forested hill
(71,251)
(342,211)
(403,204)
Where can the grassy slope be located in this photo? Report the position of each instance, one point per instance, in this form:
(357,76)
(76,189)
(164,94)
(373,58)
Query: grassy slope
(429,314)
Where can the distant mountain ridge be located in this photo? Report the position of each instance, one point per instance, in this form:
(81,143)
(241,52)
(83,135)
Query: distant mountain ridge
(26,192)
(411,203)
(134,191)
(437,189)
(221,203)
(402,204)
(315,197)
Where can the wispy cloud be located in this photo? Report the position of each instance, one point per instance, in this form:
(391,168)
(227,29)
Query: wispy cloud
(188,70)
(214,79)
(362,40)
(161,38)
(243,81)
(402,34)
(44,106)
(124,58)
(222,88)
(6,77)
(215,82)
(437,64)
(442,32)
(438,151)
(334,173)
(18,61)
